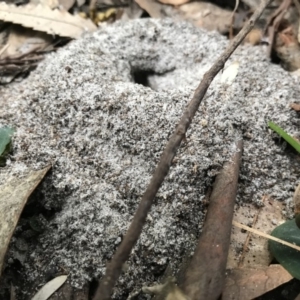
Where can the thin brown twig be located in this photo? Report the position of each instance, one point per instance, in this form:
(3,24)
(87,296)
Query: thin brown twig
(205,275)
(275,20)
(114,267)
(297,4)
(237,3)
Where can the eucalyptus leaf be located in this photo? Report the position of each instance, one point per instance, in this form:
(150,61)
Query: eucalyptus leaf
(289,258)
(285,136)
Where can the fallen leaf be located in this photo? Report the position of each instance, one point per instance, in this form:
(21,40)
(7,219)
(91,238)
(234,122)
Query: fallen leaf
(207,15)
(249,250)
(287,49)
(80,2)
(266,236)
(25,40)
(44,19)
(152,7)
(133,11)
(50,3)
(14,194)
(254,37)
(66,4)
(174,2)
(244,284)
(230,73)
(50,287)
(295,106)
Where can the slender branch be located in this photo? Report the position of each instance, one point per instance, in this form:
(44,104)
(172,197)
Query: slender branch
(114,267)
(205,274)
(274,22)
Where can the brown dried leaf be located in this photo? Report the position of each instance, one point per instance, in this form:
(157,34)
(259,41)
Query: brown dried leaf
(13,197)
(207,15)
(66,4)
(25,40)
(288,50)
(244,284)
(50,3)
(152,7)
(254,37)
(247,249)
(295,106)
(174,2)
(44,19)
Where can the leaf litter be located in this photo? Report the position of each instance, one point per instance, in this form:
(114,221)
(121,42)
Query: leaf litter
(82,110)
(42,18)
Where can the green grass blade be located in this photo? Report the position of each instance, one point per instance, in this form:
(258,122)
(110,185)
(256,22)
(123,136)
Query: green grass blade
(285,136)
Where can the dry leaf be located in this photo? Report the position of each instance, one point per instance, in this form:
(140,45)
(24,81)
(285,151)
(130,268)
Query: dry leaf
(207,15)
(230,73)
(25,40)
(244,284)
(152,7)
(247,249)
(13,197)
(133,11)
(80,2)
(66,4)
(295,106)
(50,287)
(44,19)
(50,3)
(254,37)
(174,2)
(288,50)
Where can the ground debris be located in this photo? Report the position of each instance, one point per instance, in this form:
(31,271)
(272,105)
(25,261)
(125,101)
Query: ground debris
(83,110)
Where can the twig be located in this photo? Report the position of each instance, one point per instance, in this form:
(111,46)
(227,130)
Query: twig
(265,235)
(205,275)
(237,2)
(297,4)
(275,20)
(114,267)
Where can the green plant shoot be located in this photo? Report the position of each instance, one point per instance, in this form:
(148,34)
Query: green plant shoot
(285,136)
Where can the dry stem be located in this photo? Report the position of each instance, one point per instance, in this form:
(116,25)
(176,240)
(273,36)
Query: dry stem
(205,275)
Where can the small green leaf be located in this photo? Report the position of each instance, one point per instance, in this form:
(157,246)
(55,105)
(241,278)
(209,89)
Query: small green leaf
(288,257)
(5,138)
(285,136)
(5,143)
